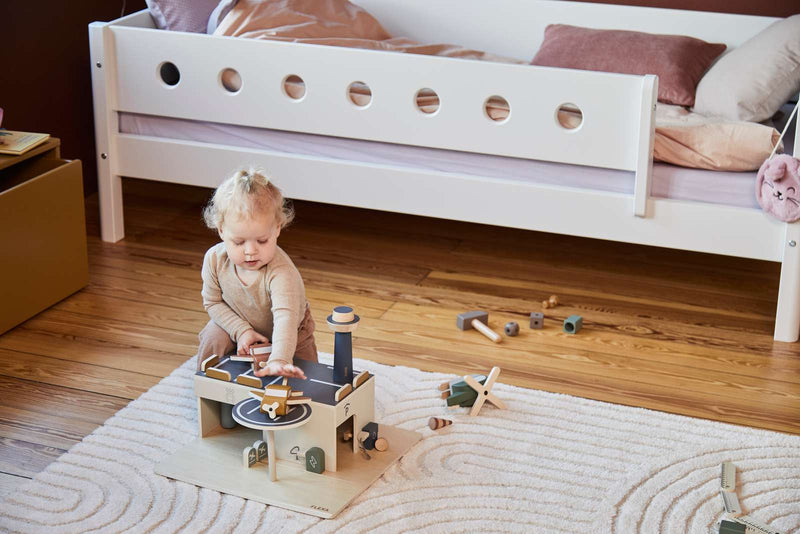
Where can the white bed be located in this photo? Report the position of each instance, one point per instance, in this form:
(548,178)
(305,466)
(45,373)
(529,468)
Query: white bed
(457,163)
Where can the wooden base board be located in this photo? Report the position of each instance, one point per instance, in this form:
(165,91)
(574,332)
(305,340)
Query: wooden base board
(215,462)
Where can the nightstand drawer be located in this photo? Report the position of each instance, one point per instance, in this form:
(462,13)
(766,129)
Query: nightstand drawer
(42,236)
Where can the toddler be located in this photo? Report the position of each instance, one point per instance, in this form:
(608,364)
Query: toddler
(251,289)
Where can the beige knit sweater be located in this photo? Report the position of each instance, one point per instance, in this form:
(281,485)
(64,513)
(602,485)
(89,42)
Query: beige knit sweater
(273,305)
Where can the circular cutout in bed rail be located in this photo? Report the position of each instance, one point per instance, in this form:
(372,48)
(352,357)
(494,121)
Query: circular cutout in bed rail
(359,94)
(169,73)
(497,108)
(231,80)
(427,101)
(294,87)
(569,116)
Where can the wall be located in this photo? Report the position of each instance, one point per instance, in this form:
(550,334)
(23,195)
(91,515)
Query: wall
(45,85)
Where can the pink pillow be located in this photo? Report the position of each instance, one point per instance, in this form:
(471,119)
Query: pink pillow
(182,15)
(678,61)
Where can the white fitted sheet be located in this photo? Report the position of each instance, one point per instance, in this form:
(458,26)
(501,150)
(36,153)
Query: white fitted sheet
(669,181)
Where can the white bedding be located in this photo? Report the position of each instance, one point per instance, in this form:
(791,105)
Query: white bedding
(669,181)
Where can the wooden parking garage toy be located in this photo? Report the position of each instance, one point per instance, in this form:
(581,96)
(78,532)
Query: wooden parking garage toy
(310,468)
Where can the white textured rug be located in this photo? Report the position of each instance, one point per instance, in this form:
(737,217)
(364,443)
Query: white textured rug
(549,463)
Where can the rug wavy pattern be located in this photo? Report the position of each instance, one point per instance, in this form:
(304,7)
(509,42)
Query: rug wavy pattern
(549,463)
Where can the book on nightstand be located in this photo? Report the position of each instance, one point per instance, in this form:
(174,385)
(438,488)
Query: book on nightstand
(17,143)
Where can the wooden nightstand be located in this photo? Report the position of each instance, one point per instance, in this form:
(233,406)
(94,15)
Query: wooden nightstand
(42,232)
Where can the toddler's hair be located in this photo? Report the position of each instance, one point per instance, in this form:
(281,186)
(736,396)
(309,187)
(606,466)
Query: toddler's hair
(247,192)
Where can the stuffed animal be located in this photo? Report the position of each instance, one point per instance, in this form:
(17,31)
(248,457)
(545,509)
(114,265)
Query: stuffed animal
(778,187)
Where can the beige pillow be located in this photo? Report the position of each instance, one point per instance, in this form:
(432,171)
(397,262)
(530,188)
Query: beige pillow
(752,82)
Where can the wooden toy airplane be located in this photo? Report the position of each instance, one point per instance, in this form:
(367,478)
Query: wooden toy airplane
(276,399)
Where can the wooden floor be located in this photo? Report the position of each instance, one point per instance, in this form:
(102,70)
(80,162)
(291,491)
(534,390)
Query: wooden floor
(668,330)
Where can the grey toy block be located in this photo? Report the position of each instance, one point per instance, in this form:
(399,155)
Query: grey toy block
(464,320)
(537,320)
(226,415)
(315,460)
(573,324)
(512,328)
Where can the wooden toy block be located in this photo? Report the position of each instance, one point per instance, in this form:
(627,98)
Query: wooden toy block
(261,449)
(484,391)
(511,329)
(479,321)
(249,457)
(342,392)
(727,478)
(219,374)
(366,441)
(435,423)
(249,381)
(573,324)
(240,358)
(731,527)
(537,320)
(756,525)
(260,348)
(211,361)
(460,386)
(381,445)
(731,503)
(372,429)
(360,378)
(461,398)
(315,460)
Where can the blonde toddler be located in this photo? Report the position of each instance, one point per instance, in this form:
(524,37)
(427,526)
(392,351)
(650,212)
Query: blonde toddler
(252,291)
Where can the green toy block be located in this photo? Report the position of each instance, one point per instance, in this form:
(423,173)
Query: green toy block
(461,398)
(731,527)
(461,386)
(315,460)
(573,324)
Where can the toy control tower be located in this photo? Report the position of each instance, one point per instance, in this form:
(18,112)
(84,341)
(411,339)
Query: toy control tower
(343,321)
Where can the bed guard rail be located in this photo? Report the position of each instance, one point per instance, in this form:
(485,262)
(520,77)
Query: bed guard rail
(181,75)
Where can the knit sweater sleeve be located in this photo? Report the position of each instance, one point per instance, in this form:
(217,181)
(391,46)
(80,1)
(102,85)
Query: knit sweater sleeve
(218,309)
(288,296)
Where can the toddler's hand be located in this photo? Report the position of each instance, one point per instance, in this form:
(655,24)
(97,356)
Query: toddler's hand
(250,337)
(280,368)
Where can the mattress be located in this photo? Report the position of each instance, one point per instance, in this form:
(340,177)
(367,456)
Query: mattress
(669,181)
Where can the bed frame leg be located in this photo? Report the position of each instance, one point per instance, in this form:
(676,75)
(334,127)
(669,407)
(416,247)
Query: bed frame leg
(106,127)
(787,317)
(109,189)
